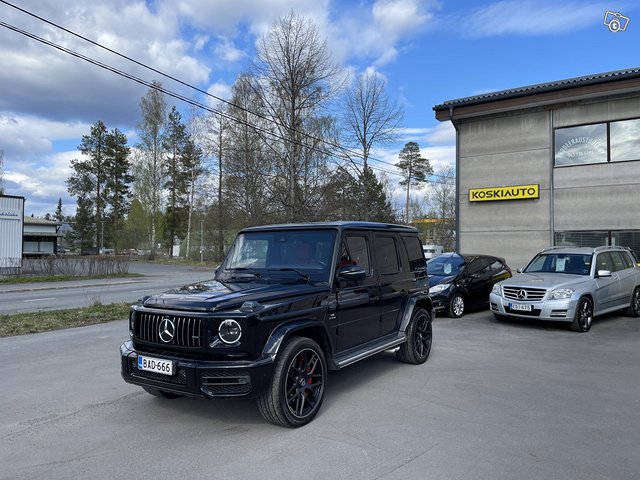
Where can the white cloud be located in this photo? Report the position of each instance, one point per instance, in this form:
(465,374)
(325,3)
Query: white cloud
(227,51)
(219,89)
(378,33)
(442,133)
(225,16)
(529,17)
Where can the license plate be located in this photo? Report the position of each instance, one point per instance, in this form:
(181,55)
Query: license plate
(157,365)
(521,307)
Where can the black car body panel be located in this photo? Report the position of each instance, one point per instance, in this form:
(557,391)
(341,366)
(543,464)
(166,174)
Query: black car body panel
(469,275)
(354,300)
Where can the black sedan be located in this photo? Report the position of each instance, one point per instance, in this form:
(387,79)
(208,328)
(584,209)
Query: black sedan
(459,281)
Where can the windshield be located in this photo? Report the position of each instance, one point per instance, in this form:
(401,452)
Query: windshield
(295,255)
(445,265)
(569,263)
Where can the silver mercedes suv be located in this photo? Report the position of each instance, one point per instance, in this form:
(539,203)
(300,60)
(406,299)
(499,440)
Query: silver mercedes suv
(571,284)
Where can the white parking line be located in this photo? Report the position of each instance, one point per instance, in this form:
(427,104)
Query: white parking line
(39,299)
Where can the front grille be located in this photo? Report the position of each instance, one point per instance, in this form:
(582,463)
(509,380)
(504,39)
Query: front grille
(188,332)
(217,382)
(524,294)
(180,378)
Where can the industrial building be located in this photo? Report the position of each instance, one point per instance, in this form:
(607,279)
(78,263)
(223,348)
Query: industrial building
(11,228)
(549,164)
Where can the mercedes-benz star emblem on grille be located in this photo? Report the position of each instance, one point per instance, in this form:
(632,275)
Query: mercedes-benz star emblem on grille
(166,330)
(522,294)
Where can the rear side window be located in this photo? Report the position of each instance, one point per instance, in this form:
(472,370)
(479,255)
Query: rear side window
(387,255)
(415,253)
(619,262)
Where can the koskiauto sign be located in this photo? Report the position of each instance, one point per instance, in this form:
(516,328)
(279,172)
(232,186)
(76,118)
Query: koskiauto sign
(516,192)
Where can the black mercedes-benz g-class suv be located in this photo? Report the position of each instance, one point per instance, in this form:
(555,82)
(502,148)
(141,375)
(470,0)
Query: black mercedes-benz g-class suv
(288,303)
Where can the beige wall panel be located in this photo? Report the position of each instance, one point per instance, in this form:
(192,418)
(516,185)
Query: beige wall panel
(597,112)
(597,175)
(517,248)
(506,215)
(502,169)
(513,133)
(598,208)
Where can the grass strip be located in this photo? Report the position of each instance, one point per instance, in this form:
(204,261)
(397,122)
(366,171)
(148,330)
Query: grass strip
(62,278)
(43,320)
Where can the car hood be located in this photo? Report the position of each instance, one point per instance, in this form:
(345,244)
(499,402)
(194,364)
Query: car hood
(214,295)
(438,279)
(545,280)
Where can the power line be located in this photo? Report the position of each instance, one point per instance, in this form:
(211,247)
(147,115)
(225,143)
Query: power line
(346,156)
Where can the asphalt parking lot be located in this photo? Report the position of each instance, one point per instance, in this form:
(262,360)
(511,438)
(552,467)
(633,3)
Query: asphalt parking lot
(495,401)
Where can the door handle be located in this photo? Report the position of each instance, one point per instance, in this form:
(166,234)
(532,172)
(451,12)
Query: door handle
(374,299)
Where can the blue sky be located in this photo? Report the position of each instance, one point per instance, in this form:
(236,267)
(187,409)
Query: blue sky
(428,51)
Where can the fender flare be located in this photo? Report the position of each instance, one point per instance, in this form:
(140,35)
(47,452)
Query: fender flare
(421,300)
(282,332)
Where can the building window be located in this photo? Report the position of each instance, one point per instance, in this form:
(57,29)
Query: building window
(598,143)
(625,140)
(629,239)
(579,145)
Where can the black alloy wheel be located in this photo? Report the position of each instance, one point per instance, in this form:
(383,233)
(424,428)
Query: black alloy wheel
(417,348)
(297,387)
(583,317)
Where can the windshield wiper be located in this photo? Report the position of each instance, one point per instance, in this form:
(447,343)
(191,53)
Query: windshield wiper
(249,277)
(303,276)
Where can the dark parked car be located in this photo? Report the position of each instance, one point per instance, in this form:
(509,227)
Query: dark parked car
(288,303)
(459,281)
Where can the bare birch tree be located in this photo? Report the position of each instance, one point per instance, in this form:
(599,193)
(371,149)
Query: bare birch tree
(296,76)
(443,207)
(150,165)
(370,118)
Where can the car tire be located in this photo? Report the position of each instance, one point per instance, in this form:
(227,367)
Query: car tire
(456,306)
(583,317)
(297,387)
(161,393)
(634,307)
(417,348)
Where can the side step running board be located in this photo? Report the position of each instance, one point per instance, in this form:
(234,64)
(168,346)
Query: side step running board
(370,349)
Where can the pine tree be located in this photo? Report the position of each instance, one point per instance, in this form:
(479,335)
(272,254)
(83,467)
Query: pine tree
(59,216)
(89,180)
(118,182)
(414,168)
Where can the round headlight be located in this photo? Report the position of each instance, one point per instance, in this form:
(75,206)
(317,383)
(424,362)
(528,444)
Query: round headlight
(229,331)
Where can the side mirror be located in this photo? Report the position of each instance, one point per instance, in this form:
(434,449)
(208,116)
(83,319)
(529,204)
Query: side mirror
(519,270)
(603,273)
(352,273)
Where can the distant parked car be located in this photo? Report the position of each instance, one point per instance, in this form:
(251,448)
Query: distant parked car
(432,251)
(461,281)
(571,284)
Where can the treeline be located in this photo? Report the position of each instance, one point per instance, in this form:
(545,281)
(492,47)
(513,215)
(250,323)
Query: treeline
(273,153)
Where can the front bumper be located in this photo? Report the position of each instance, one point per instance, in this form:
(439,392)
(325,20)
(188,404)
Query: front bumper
(549,310)
(440,301)
(198,378)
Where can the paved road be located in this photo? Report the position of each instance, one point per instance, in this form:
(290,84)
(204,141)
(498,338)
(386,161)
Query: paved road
(494,401)
(58,295)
